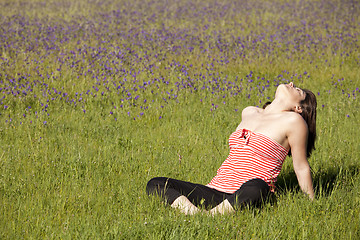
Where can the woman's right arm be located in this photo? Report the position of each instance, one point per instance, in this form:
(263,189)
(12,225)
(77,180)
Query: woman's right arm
(297,137)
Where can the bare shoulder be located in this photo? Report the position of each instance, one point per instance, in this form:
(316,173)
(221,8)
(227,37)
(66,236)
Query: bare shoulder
(250,110)
(295,118)
(296,124)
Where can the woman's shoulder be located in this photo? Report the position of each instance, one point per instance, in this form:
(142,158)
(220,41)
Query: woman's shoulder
(251,110)
(295,119)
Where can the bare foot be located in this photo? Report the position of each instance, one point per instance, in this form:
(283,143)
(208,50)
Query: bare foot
(222,208)
(185,206)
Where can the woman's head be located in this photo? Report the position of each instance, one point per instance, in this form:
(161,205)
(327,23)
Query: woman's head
(302,101)
(291,95)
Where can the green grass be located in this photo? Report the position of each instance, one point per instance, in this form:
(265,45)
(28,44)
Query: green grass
(85,178)
(83,175)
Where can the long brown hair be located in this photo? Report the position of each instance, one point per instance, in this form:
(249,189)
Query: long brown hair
(308,106)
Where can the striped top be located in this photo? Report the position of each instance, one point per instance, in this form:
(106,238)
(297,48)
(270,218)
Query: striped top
(252,155)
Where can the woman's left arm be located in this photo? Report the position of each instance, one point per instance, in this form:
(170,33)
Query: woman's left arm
(297,137)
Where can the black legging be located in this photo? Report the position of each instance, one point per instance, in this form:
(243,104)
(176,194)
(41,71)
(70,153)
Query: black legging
(251,193)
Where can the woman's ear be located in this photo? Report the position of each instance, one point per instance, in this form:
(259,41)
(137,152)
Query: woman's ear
(298,109)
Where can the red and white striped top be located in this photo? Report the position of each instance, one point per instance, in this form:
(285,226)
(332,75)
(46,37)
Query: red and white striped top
(252,155)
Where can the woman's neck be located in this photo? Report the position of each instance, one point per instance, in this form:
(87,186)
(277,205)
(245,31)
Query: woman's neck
(278,106)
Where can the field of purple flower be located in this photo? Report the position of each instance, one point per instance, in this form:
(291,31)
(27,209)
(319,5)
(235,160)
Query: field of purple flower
(128,56)
(87,85)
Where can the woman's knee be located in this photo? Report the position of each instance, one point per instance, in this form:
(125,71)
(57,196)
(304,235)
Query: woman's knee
(252,193)
(163,187)
(256,186)
(156,184)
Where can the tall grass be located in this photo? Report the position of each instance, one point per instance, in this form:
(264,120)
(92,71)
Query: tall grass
(98,97)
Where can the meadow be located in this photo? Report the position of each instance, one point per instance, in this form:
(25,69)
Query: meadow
(99,96)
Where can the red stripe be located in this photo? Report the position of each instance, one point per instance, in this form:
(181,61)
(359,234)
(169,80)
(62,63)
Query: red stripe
(256,156)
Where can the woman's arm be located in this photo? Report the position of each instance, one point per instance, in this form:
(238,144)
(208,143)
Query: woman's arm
(303,174)
(297,137)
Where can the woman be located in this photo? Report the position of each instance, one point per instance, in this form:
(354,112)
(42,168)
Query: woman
(258,148)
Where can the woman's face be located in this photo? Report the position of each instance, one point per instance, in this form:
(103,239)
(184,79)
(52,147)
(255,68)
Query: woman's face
(290,92)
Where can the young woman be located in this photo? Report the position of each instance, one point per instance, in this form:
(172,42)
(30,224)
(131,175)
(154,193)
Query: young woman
(258,148)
